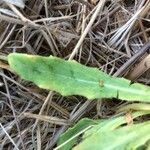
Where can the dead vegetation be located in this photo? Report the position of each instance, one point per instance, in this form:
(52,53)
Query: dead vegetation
(113,36)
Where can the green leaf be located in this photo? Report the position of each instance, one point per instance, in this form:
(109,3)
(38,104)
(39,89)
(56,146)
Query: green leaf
(73,78)
(112,130)
(134,106)
(112,123)
(124,138)
(71,132)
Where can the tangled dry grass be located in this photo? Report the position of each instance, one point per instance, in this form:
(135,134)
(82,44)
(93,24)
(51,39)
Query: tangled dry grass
(113,36)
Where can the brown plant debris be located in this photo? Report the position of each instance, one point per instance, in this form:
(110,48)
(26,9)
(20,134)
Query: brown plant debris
(113,36)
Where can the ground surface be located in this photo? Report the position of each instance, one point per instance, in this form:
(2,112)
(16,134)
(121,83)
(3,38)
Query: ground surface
(113,36)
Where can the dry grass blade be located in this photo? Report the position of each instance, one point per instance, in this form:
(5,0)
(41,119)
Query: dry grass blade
(19,3)
(109,35)
(1,84)
(99,8)
(9,137)
(4,66)
(140,68)
(53,120)
(8,12)
(122,32)
(132,60)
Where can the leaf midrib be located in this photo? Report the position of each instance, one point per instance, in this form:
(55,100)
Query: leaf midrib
(105,85)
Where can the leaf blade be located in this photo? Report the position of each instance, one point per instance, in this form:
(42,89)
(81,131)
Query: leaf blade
(78,127)
(101,129)
(72,78)
(128,137)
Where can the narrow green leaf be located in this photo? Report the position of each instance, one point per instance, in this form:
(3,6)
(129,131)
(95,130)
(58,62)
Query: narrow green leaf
(99,127)
(71,132)
(135,106)
(73,78)
(112,123)
(123,138)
